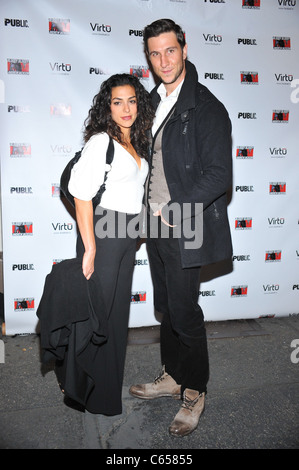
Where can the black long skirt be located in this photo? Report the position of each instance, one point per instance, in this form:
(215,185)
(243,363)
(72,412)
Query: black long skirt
(114,264)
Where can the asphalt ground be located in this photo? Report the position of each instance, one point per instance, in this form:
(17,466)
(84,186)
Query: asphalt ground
(252,401)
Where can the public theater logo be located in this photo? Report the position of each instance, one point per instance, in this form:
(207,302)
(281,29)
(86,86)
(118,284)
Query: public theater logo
(141,262)
(136,32)
(60,109)
(23,267)
(244,189)
(249,78)
(22,228)
(244,223)
(16,23)
(247,41)
(277,188)
(246,115)
(140,71)
(19,150)
(280,116)
(21,190)
(207,293)
(18,66)
(214,76)
(280,42)
(138,297)
(239,291)
(251,4)
(24,304)
(241,258)
(272,256)
(98,71)
(244,152)
(59,26)
(18,109)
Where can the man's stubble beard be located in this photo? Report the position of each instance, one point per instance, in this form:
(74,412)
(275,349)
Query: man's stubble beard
(176,76)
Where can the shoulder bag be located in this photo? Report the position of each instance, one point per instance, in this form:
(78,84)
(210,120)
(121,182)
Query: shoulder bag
(66,174)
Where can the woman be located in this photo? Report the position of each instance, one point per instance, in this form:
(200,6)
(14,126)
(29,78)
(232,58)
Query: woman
(121,110)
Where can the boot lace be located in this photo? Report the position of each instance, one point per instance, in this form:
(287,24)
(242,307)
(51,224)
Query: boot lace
(189,404)
(160,377)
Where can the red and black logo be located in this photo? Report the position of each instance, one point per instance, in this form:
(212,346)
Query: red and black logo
(244,152)
(139,71)
(59,26)
(239,291)
(20,150)
(18,66)
(24,304)
(249,78)
(138,297)
(243,223)
(277,188)
(273,255)
(280,115)
(251,3)
(281,43)
(22,228)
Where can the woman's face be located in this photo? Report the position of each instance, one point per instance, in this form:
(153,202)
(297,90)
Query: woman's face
(123,106)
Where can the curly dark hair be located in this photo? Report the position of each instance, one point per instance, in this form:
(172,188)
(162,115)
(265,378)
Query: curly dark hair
(99,116)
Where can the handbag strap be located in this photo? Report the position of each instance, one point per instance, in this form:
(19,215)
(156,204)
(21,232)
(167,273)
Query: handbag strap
(109,158)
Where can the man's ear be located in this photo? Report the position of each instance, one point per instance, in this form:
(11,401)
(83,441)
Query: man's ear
(185,50)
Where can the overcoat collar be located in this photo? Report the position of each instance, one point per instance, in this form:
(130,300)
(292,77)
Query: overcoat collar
(186,99)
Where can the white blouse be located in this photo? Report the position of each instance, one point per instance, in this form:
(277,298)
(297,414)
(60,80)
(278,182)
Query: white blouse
(125,181)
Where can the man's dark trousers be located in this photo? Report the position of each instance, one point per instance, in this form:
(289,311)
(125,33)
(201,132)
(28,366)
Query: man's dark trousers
(183,339)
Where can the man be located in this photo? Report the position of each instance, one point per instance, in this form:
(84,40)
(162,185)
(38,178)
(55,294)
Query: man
(190,164)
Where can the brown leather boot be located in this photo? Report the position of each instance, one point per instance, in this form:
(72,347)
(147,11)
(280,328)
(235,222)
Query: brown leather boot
(188,416)
(163,386)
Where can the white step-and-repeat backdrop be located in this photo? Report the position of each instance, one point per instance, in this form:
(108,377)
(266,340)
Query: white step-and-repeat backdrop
(54,56)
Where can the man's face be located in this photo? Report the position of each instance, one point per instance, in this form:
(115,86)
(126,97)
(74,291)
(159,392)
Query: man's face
(167,59)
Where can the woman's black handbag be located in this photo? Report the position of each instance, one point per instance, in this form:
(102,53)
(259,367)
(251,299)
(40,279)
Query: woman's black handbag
(66,174)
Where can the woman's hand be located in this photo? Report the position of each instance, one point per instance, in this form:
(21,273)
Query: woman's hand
(84,215)
(88,264)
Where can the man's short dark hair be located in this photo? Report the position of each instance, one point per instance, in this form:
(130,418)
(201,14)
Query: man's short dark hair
(163,26)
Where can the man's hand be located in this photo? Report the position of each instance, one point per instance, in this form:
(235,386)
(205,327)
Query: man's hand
(159,213)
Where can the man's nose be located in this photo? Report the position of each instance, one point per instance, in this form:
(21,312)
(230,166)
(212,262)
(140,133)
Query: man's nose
(164,60)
